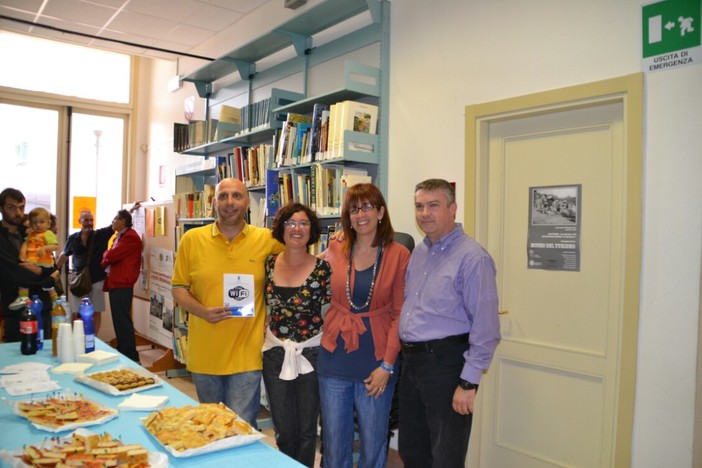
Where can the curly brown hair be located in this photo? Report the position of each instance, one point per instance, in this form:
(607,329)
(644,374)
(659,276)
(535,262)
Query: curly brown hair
(286,212)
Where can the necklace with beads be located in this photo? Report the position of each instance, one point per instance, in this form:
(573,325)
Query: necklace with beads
(372,285)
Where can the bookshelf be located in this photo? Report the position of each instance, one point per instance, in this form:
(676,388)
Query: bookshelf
(296,32)
(360,82)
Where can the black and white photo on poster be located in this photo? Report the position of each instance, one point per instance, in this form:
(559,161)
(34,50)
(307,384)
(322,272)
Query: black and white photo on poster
(554,227)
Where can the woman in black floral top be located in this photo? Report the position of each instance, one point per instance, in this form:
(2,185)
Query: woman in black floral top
(297,285)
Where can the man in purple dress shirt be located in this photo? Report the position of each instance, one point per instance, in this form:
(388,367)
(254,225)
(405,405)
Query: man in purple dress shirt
(449,330)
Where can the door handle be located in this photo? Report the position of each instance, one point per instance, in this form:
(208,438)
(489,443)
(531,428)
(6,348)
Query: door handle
(503,312)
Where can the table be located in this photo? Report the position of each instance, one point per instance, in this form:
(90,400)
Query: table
(17,431)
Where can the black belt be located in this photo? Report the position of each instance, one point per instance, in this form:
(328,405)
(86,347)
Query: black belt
(412,347)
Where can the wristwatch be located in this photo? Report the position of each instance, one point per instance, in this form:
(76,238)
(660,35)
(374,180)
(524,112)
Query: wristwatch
(465,385)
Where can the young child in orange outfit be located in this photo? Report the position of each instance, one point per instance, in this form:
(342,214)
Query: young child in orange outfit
(38,247)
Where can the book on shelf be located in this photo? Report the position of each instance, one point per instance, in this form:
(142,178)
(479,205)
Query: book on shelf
(197,133)
(252,116)
(328,185)
(180,345)
(313,187)
(357,117)
(228,124)
(272,192)
(180,137)
(229,114)
(302,131)
(224,169)
(287,137)
(313,142)
(208,195)
(197,204)
(324,239)
(331,131)
(323,136)
(257,209)
(285,188)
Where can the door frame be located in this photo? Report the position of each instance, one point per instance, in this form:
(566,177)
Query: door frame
(627,90)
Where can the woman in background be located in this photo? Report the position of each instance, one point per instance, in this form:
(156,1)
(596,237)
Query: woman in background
(297,285)
(360,342)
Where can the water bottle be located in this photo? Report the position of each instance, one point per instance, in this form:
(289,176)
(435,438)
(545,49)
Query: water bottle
(38,308)
(58,316)
(86,314)
(28,330)
(67,307)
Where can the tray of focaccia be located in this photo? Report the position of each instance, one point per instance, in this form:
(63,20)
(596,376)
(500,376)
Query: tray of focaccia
(63,412)
(193,430)
(120,380)
(86,449)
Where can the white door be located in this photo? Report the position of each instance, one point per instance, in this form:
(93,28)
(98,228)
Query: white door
(552,393)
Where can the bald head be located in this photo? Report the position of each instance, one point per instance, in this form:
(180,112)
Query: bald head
(231,203)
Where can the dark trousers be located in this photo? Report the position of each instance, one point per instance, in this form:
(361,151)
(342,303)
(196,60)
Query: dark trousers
(121,308)
(431,433)
(294,405)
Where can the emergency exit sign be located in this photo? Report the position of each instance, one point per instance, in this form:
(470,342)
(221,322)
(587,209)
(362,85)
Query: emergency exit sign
(672,34)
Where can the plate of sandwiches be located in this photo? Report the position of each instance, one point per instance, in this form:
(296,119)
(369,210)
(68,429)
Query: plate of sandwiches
(84,448)
(193,430)
(63,412)
(120,380)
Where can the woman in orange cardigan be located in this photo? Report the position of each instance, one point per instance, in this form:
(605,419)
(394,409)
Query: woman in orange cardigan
(360,343)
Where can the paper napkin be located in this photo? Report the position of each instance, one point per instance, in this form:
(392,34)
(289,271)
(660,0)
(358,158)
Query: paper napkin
(137,402)
(72,368)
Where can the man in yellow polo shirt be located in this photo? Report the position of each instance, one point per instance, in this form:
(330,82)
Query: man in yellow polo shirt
(219,278)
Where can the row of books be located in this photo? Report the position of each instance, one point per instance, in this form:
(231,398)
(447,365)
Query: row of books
(322,188)
(246,163)
(326,234)
(198,204)
(200,132)
(320,136)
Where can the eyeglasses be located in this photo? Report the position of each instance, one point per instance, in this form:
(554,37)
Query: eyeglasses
(366,207)
(290,224)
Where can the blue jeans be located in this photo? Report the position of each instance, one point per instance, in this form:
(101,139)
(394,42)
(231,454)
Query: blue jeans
(340,398)
(431,433)
(294,405)
(240,392)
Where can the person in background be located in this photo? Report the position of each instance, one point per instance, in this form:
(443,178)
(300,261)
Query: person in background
(38,248)
(225,342)
(360,345)
(77,246)
(53,227)
(122,263)
(13,272)
(449,330)
(297,285)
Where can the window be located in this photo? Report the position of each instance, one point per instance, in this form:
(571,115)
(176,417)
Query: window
(68,70)
(87,104)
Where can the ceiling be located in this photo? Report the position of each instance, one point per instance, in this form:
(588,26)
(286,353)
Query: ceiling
(156,26)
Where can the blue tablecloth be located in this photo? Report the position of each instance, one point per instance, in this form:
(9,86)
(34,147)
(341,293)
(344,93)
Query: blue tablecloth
(16,431)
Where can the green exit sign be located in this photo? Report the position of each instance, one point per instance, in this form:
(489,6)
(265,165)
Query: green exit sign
(671,26)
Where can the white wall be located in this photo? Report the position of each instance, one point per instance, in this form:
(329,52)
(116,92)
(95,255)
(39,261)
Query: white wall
(451,53)
(446,55)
